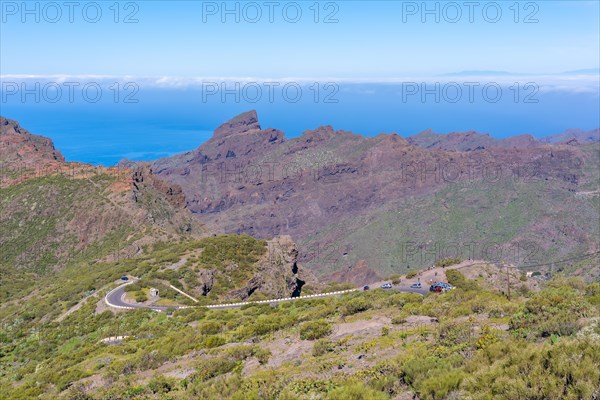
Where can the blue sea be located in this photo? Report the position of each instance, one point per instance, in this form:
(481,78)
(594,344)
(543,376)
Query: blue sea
(157,122)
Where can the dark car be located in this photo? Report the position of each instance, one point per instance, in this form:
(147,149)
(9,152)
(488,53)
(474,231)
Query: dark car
(440,287)
(366,287)
(124,278)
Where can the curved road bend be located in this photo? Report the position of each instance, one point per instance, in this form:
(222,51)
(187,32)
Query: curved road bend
(115,297)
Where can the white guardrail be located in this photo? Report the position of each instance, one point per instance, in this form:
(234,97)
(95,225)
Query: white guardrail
(108,303)
(310,296)
(243,303)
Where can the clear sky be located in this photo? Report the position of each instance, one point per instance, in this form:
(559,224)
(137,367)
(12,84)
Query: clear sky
(369,40)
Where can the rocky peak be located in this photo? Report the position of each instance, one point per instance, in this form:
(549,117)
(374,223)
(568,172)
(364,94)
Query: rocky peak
(239,125)
(17,145)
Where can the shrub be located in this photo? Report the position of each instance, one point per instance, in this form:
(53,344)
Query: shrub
(357,391)
(445,262)
(262,355)
(356,305)
(213,341)
(315,330)
(210,327)
(554,310)
(161,384)
(140,296)
(438,387)
(214,367)
(457,279)
(411,274)
(322,346)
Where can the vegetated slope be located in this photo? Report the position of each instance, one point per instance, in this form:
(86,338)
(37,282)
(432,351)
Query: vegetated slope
(471,342)
(74,228)
(222,268)
(58,339)
(57,214)
(346,198)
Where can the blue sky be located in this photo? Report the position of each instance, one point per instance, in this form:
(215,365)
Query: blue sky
(370,40)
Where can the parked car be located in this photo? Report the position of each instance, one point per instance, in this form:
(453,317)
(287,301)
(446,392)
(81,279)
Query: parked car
(416,285)
(445,285)
(124,278)
(386,286)
(440,287)
(366,287)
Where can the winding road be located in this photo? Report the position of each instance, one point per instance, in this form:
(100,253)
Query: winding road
(115,298)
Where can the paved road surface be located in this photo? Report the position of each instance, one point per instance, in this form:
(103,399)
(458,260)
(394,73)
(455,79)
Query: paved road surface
(114,298)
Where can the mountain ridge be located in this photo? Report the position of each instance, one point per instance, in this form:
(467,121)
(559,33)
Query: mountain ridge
(264,185)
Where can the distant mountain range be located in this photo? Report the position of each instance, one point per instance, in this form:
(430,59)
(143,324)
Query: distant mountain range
(350,200)
(355,206)
(586,71)
(570,135)
(471,140)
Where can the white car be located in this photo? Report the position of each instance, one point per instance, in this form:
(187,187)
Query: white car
(386,286)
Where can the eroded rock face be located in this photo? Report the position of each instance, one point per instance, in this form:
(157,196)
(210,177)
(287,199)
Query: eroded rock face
(359,274)
(143,176)
(278,273)
(206,277)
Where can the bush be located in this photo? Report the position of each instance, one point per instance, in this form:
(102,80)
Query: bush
(210,327)
(411,274)
(315,330)
(213,341)
(140,296)
(212,368)
(322,346)
(457,279)
(262,355)
(161,384)
(445,262)
(357,391)
(554,310)
(356,305)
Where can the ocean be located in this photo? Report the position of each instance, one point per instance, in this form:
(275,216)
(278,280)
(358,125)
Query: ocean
(146,123)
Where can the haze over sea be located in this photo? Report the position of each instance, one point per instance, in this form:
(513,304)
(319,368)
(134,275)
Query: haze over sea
(171,119)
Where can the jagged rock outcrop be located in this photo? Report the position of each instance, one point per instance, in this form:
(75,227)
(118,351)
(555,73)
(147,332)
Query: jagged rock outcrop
(19,145)
(278,274)
(241,124)
(206,277)
(143,176)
